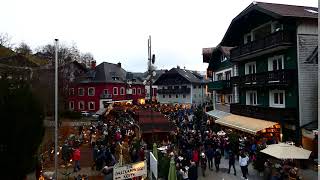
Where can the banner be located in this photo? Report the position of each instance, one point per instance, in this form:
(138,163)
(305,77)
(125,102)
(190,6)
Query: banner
(153,165)
(130,171)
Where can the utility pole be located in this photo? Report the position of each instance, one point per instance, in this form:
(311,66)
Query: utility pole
(56,111)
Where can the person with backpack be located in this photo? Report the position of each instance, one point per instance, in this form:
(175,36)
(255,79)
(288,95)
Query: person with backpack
(217,159)
(232,160)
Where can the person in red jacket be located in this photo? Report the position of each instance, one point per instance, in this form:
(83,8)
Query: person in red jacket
(195,156)
(76,158)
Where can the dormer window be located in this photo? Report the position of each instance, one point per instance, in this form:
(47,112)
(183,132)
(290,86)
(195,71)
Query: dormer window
(115,78)
(223,58)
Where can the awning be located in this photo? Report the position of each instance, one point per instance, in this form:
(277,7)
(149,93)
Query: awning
(218,114)
(245,124)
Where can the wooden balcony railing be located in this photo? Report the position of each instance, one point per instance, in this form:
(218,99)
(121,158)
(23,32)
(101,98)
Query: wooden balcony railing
(219,85)
(280,38)
(266,113)
(283,77)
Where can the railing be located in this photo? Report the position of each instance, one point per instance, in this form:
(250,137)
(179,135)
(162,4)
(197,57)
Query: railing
(272,40)
(267,113)
(280,77)
(105,96)
(174,91)
(219,85)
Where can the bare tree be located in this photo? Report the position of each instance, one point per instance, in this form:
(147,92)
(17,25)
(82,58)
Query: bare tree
(86,59)
(23,48)
(5,40)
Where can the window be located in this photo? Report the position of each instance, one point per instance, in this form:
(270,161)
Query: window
(176,87)
(80,91)
(223,58)
(276,26)
(105,91)
(134,91)
(250,68)
(71,105)
(122,91)
(177,96)
(247,38)
(169,95)
(71,91)
(194,86)
(91,91)
(115,90)
(219,98)
(219,77)
(91,105)
(81,105)
(169,87)
(228,75)
(163,96)
(277,98)
(139,90)
(229,99)
(184,96)
(199,87)
(251,97)
(275,63)
(195,95)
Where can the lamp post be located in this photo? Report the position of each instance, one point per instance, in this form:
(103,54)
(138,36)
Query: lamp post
(151,74)
(56,110)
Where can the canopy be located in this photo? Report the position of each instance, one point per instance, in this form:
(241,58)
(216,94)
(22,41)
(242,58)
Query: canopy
(246,124)
(217,114)
(286,151)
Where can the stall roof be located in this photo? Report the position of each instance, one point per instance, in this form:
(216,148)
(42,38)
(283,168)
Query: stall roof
(245,124)
(217,114)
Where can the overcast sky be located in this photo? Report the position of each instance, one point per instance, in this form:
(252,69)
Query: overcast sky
(117,31)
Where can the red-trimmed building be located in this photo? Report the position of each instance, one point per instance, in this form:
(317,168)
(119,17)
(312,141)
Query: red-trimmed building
(104,84)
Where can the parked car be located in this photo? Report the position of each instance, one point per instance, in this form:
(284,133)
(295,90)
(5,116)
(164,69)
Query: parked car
(85,113)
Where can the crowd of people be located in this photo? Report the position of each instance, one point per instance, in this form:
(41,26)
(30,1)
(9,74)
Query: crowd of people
(196,142)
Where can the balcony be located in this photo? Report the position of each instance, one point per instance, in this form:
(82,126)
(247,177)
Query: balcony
(273,42)
(219,85)
(267,113)
(283,77)
(174,91)
(105,96)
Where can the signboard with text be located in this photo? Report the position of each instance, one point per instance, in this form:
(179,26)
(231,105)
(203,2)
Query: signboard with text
(130,171)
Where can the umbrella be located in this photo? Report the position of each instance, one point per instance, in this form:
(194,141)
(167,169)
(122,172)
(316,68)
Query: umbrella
(155,151)
(286,151)
(172,171)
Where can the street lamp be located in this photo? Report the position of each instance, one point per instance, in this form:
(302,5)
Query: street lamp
(56,110)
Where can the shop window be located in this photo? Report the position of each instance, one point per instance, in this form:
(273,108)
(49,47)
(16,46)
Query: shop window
(177,96)
(184,96)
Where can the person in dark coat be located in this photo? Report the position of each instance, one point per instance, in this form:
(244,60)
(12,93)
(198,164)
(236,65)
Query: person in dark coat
(203,163)
(232,160)
(217,159)
(193,171)
(210,155)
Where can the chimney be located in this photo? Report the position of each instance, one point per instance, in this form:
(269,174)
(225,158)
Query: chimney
(119,64)
(93,64)
(178,67)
